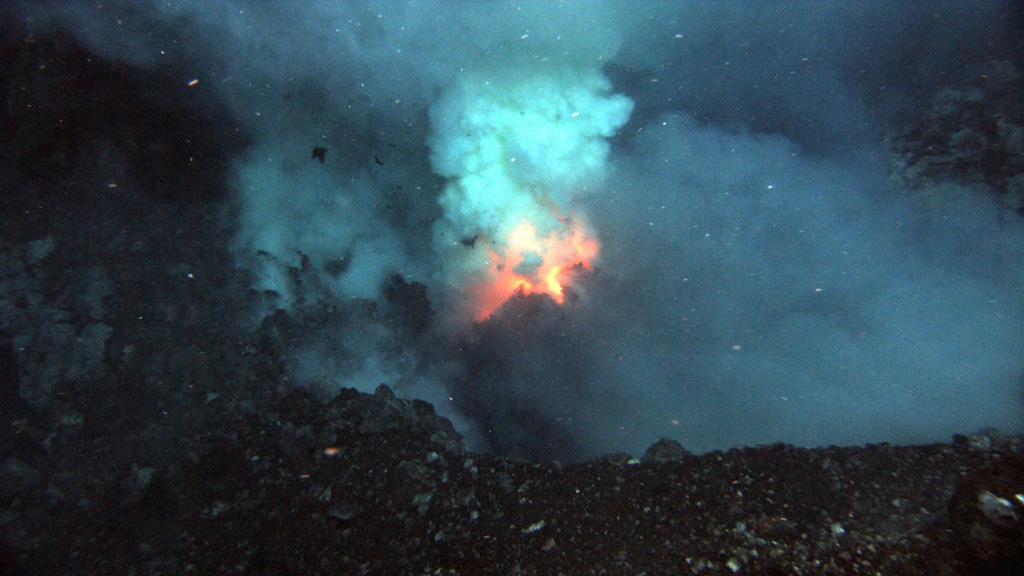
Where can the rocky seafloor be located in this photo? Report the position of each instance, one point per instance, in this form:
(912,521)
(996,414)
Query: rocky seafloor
(146,429)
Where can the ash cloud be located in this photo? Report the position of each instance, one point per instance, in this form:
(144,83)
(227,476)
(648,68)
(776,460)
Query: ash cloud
(761,278)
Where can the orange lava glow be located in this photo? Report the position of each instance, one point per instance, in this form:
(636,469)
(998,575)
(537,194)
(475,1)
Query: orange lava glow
(533,265)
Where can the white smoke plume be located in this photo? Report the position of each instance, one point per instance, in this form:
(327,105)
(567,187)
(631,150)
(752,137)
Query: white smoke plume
(517,149)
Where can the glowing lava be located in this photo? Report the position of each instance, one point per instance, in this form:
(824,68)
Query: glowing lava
(533,265)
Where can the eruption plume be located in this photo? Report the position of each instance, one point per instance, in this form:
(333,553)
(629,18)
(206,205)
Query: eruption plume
(518,147)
